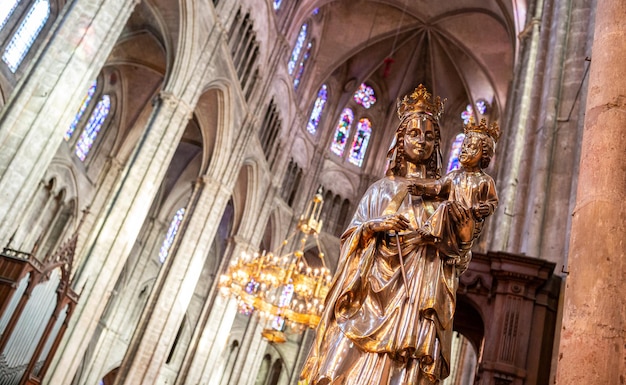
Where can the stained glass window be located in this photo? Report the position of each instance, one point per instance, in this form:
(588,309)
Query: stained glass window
(81,111)
(283,301)
(341,132)
(365,96)
(316,11)
(467,114)
(6,10)
(295,53)
(305,57)
(360,141)
(96,120)
(453,161)
(318,108)
(26,34)
(277,4)
(171,233)
(482,106)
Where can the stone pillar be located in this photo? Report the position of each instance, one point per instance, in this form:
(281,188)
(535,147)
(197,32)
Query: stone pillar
(175,286)
(111,241)
(125,311)
(592,348)
(207,356)
(35,118)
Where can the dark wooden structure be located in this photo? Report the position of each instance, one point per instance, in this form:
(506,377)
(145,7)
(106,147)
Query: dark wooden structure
(36,303)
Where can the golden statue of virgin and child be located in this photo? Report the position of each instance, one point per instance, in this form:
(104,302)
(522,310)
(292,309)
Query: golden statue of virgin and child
(389,313)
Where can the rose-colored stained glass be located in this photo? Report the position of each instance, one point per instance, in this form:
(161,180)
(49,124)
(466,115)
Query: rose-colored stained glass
(365,96)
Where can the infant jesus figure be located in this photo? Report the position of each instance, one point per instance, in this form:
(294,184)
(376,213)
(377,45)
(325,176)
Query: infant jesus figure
(470,193)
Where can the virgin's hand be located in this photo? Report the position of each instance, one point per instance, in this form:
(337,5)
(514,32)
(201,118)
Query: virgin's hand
(393,222)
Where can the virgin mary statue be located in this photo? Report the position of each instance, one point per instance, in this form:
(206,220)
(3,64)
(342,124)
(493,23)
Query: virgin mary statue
(388,315)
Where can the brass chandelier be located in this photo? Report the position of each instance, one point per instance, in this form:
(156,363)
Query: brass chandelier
(282,288)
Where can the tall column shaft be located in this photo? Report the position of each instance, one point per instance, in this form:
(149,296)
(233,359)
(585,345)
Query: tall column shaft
(592,346)
(109,245)
(155,335)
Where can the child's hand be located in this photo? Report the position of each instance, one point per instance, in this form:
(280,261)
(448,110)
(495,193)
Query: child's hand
(481,210)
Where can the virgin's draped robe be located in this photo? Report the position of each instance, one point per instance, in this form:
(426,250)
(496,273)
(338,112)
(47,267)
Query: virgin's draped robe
(370,332)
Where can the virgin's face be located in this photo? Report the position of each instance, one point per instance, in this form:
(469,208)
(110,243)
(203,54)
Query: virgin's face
(419,138)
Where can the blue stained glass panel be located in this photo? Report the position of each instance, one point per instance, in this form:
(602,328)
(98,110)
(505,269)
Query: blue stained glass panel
(26,34)
(318,108)
(295,53)
(6,10)
(96,120)
(481,106)
(341,132)
(277,4)
(455,151)
(307,53)
(467,114)
(81,111)
(283,301)
(360,142)
(171,233)
(365,96)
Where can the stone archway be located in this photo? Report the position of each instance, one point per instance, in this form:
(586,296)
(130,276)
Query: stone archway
(516,298)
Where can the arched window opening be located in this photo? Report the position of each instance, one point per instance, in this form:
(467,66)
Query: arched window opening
(81,110)
(297,48)
(263,370)
(365,96)
(481,105)
(176,340)
(360,141)
(245,51)
(307,53)
(342,132)
(274,376)
(26,34)
(463,361)
(344,216)
(230,363)
(318,108)
(270,131)
(291,182)
(6,10)
(171,234)
(96,120)
(455,151)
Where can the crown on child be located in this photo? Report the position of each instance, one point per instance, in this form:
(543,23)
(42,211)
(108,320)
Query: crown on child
(493,130)
(419,101)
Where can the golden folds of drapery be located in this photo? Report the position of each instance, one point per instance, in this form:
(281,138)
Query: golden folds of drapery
(420,101)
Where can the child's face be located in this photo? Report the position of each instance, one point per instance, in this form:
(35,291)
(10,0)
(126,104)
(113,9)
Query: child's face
(471,152)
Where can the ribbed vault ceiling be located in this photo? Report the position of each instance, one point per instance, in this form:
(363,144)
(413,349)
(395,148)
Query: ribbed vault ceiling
(461,50)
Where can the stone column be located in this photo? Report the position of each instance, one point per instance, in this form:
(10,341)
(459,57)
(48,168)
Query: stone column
(110,243)
(206,358)
(592,348)
(34,120)
(175,286)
